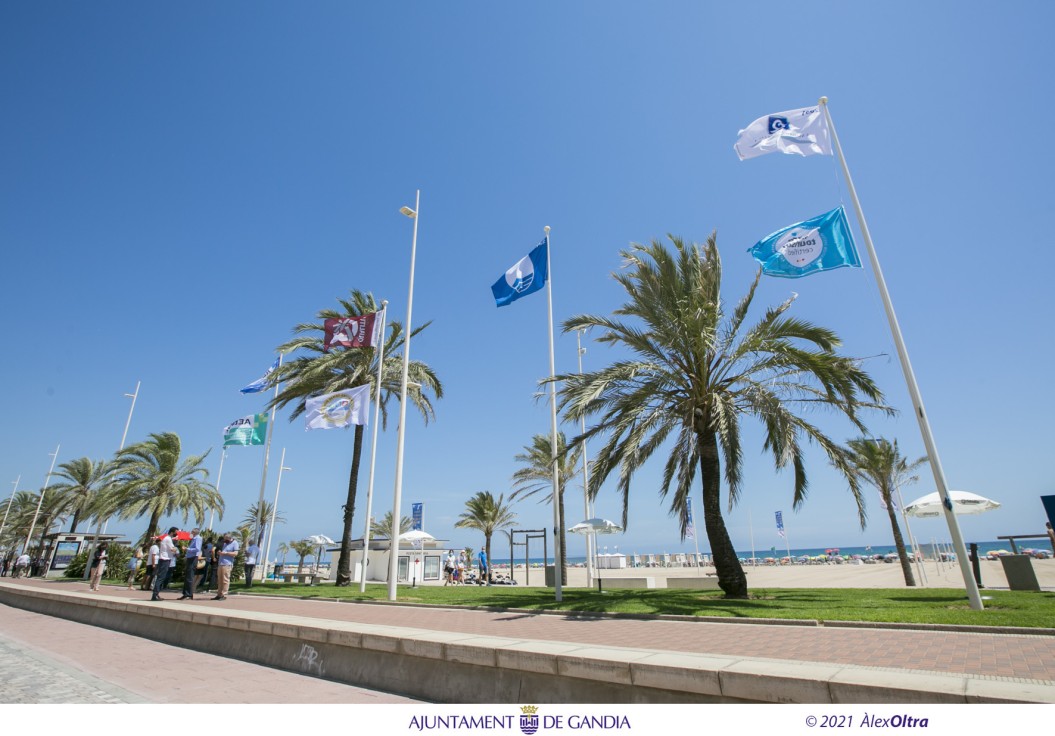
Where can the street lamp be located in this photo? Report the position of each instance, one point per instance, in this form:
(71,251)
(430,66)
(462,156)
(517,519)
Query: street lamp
(33,525)
(12,498)
(393,555)
(274,511)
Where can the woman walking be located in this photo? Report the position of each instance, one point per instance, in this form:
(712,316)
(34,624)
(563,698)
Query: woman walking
(133,567)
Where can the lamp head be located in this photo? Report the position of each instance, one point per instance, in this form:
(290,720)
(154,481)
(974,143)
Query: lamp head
(408,212)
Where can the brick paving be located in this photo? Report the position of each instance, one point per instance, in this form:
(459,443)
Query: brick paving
(1015,656)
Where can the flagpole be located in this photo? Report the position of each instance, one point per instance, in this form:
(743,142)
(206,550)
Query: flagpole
(696,541)
(40,501)
(558,571)
(393,547)
(751,527)
(219,477)
(910,379)
(373,443)
(585,472)
(9,500)
(124,435)
(274,511)
(259,531)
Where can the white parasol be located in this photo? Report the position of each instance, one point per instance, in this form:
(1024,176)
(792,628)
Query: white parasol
(929,506)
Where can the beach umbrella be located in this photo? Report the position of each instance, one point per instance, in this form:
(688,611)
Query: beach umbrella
(929,506)
(596,526)
(320,541)
(416,536)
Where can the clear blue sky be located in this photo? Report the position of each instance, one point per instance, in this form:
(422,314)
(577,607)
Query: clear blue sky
(182,184)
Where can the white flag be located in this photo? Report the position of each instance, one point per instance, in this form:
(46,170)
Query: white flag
(338,409)
(804,132)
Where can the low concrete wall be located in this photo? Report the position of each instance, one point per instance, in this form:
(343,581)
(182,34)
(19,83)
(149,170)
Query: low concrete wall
(699,583)
(462,667)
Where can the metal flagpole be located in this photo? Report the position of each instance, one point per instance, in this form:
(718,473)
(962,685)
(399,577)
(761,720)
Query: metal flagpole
(274,511)
(9,500)
(393,547)
(910,379)
(219,477)
(373,444)
(751,527)
(40,501)
(696,539)
(557,569)
(590,540)
(259,531)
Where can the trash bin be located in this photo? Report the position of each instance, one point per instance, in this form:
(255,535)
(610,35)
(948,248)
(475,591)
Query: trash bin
(1019,572)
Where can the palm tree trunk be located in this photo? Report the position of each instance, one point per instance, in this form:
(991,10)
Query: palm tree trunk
(75,522)
(344,563)
(487,552)
(152,529)
(899,542)
(731,578)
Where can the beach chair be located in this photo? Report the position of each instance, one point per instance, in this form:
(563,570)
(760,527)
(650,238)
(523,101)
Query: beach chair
(636,561)
(666,559)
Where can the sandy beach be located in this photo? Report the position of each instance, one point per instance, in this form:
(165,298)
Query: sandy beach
(880,575)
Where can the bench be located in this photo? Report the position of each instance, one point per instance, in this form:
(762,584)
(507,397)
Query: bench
(299,577)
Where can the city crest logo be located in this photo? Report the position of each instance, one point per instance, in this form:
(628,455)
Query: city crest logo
(529,719)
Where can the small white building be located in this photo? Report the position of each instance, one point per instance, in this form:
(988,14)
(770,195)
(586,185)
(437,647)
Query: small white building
(417,563)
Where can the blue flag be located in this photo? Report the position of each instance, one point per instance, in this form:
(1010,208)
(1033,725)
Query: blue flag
(527,276)
(261,383)
(818,244)
(780,524)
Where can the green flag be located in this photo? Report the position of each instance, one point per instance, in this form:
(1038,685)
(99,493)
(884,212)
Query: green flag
(250,430)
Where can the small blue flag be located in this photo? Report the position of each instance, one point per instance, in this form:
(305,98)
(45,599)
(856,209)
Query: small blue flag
(261,383)
(528,275)
(818,244)
(780,524)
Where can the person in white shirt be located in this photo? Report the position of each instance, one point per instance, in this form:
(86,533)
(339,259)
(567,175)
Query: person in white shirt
(167,553)
(252,552)
(152,563)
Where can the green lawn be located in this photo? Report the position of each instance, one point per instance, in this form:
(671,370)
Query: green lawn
(927,605)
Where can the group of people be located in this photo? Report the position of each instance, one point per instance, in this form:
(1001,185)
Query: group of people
(18,566)
(456,571)
(208,563)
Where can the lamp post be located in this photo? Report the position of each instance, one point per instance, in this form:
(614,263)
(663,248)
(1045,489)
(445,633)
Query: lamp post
(393,555)
(40,501)
(12,498)
(274,511)
(590,541)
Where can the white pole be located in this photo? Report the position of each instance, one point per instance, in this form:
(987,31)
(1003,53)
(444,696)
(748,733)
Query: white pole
(40,501)
(219,477)
(751,529)
(373,443)
(274,511)
(911,539)
(910,379)
(259,531)
(696,541)
(585,477)
(393,554)
(12,498)
(124,435)
(557,570)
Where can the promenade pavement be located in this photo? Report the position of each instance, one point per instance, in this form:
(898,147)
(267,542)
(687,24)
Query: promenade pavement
(47,660)
(1012,657)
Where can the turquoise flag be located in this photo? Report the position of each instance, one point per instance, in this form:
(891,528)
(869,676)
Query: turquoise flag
(818,244)
(250,430)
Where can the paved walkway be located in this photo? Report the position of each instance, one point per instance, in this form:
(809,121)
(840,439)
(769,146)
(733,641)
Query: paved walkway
(1021,657)
(52,660)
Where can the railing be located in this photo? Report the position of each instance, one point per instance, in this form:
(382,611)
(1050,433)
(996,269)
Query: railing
(1012,537)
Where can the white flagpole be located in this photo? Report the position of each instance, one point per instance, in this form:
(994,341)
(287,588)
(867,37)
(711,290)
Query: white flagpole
(219,477)
(258,532)
(557,569)
(590,541)
(751,527)
(9,500)
(696,542)
(910,379)
(393,547)
(40,501)
(373,443)
(274,511)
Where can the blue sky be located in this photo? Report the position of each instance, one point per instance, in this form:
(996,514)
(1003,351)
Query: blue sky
(182,184)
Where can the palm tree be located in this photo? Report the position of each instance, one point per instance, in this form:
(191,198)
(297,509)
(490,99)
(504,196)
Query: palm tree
(254,514)
(320,372)
(383,528)
(695,372)
(487,514)
(537,476)
(304,548)
(81,481)
(881,465)
(153,478)
(283,549)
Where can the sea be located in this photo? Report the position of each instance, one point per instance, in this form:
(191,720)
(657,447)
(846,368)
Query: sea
(883,549)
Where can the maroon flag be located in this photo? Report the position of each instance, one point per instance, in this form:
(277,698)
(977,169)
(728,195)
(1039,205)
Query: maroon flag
(351,332)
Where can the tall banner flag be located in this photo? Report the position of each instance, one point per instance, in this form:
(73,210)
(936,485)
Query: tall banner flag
(261,383)
(527,276)
(338,409)
(250,430)
(416,516)
(821,243)
(780,525)
(351,332)
(690,524)
(803,131)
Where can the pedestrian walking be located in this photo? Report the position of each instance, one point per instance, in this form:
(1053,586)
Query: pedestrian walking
(252,552)
(21,565)
(167,553)
(133,567)
(152,564)
(208,551)
(98,565)
(225,566)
